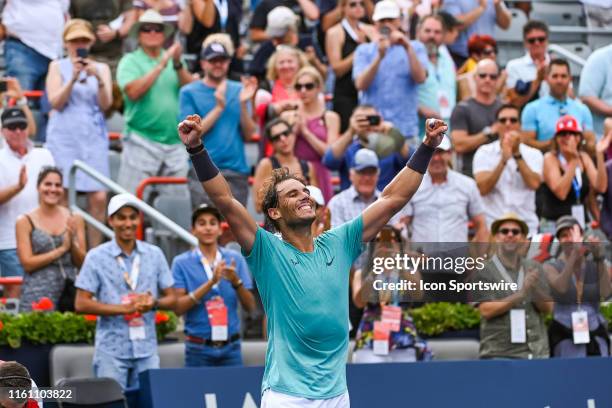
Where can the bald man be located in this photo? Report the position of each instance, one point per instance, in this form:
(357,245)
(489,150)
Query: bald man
(473,121)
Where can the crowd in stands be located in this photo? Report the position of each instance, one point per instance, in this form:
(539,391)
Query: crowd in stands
(329,88)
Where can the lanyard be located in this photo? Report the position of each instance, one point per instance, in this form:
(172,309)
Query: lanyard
(579,287)
(576,181)
(223,9)
(130,278)
(350,31)
(208,268)
(504,272)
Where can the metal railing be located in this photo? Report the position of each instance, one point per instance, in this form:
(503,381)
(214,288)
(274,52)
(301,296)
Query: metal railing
(111,185)
(567,54)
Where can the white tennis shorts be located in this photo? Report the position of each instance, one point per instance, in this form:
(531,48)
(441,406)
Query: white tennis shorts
(273,399)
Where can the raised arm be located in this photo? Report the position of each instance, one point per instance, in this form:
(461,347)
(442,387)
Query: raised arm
(401,189)
(215,185)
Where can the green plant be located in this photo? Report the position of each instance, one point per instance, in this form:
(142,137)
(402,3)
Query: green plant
(433,319)
(56,327)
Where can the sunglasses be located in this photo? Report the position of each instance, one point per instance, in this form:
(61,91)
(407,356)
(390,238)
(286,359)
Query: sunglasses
(567,134)
(508,120)
(276,138)
(489,51)
(308,86)
(506,231)
(354,4)
(151,29)
(491,76)
(15,126)
(534,40)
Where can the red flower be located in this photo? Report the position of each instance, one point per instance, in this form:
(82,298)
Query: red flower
(161,318)
(131,316)
(3,300)
(44,304)
(1,325)
(91,318)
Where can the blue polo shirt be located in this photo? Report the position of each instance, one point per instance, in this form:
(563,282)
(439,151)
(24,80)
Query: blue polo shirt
(189,274)
(224,140)
(542,114)
(392,92)
(389,166)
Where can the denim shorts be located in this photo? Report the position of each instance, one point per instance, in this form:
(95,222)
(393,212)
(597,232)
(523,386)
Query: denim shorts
(9,263)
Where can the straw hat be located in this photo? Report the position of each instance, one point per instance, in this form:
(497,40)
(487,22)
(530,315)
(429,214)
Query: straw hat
(78,28)
(151,17)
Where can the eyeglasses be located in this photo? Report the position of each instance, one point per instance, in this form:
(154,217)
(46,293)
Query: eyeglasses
(508,120)
(15,126)
(152,29)
(308,86)
(491,76)
(276,138)
(354,4)
(506,231)
(533,40)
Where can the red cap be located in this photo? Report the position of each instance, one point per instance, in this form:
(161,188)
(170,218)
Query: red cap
(568,123)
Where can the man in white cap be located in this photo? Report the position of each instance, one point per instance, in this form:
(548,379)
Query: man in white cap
(303,9)
(150,79)
(432,218)
(124,281)
(388,70)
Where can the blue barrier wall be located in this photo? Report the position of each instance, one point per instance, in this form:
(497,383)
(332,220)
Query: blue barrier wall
(555,383)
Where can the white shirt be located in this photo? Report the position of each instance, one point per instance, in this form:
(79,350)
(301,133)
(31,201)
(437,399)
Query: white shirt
(510,194)
(440,212)
(27,199)
(525,69)
(39,24)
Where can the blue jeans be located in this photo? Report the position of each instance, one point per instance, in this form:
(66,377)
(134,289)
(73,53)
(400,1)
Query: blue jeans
(123,370)
(25,64)
(199,355)
(9,263)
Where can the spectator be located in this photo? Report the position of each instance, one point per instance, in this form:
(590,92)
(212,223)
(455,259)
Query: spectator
(473,121)
(14,375)
(480,47)
(19,162)
(404,344)
(107,19)
(150,79)
(477,17)
(512,322)
(305,9)
(316,127)
(15,93)
(209,17)
(368,129)
(579,280)
(351,202)
(429,213)
(333,11)
(126,341)
(32,31)
(509,172)
(526,74)
(50,245)
(281,135)
(323,221)
(224,105)
(569,175)
(596,86)
(438,93)
(79,91)
(606,207)
(173,13)
(538,116)
(341,40)
(282,29)
(219,278)
(389,70)
(451,31)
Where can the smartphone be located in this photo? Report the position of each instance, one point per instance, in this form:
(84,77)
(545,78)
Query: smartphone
(3,86)
(385,31)
(373,120)
(82,53)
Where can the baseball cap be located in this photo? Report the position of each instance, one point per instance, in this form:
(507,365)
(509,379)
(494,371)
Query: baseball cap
(280,20)
(205,209)
(386,9)
(566,221)
(214,50)
(13,115)
(78,28)
(121,200)
(365,158)
(567,123)
(316,194)
(445,144)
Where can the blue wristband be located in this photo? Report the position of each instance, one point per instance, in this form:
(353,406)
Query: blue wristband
(420,159)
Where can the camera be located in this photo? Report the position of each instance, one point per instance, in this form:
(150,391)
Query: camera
(373,120)
(82,53)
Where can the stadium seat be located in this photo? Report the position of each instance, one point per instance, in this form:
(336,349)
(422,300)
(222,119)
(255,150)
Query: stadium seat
(178,209)
(560,14)
(510,41)
(254,352)
(454,349)
(94,392)
(71,361)
(171,355)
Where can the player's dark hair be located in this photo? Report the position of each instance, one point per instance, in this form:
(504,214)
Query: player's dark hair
(269,194)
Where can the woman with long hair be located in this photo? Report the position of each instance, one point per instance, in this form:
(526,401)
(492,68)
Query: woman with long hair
(50,245)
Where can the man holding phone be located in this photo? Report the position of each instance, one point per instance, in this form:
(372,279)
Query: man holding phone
(391,148)
(389,70)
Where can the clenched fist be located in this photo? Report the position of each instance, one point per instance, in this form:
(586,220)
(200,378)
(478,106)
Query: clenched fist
(435,129)
(190,131)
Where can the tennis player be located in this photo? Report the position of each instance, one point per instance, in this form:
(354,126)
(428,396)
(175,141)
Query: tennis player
(304,281)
